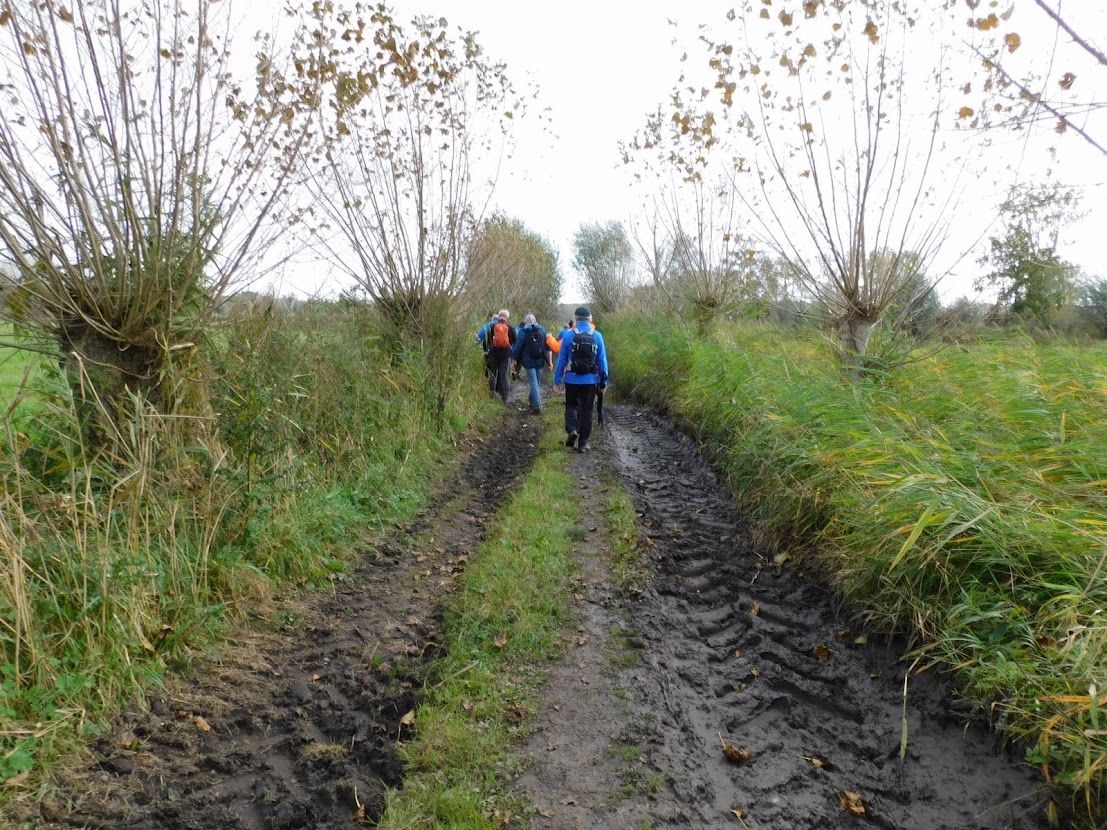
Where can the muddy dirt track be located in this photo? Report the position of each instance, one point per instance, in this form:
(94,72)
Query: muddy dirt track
(298,729)
(733,647)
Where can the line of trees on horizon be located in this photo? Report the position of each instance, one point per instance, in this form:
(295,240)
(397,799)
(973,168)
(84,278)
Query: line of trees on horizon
(703,270)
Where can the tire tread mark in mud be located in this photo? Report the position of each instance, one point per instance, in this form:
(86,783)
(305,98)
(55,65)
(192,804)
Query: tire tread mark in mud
(303,729)
(731,642)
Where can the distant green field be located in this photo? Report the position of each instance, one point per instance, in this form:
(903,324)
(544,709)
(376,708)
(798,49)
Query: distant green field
(16,367)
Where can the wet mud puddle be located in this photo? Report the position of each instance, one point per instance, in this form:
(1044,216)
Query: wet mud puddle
(742,657)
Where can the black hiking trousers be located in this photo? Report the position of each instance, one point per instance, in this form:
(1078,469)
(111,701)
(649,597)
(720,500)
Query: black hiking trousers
(580,398)
(499,378)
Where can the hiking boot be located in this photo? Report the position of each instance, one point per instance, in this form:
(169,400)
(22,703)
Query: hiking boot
(571,441)
(583,447)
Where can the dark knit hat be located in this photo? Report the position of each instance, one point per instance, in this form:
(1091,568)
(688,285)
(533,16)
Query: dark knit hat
(582,312)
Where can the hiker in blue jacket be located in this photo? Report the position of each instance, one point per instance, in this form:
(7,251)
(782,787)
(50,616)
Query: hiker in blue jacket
(534,354)
(581,371)
(483,330)
(482,338)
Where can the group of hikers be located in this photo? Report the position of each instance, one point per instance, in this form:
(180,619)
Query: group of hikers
(580,370)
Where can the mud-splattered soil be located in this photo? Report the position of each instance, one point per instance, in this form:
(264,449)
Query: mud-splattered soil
(299,729)
(732,647)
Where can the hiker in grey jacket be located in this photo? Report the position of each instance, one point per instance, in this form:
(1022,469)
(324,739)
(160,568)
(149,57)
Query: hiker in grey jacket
(534,353)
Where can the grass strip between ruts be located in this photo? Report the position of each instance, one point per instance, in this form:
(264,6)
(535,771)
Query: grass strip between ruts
(505,619)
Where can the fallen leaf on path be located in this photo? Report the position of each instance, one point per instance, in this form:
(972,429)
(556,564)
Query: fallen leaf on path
(780,558)
(734,754)
(315,678)
(128,740)
(500,641)
(582,641)
(822,652)
(737,653)
(755,672)
(755,609)
(860,640)
(408,719)
(818,762)
(740,814)
(851,802)
(201,724)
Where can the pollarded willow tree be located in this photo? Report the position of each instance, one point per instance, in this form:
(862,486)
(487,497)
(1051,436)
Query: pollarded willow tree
(409,114)
(510,266)
(831,139)
(137,178)
(698,255)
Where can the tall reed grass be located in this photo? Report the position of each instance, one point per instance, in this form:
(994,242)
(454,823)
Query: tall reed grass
(114,563)
(961,499)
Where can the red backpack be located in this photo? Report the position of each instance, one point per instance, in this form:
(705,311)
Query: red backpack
(501,335)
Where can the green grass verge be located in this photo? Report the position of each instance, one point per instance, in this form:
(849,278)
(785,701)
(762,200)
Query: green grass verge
(627,559)
(325,432)
(18,371)
(962,498)
(504,621)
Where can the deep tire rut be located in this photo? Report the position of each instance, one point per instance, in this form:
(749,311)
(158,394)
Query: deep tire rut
(736,647)
(300,730)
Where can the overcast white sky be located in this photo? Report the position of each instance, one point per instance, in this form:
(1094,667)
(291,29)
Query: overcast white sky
(601,65)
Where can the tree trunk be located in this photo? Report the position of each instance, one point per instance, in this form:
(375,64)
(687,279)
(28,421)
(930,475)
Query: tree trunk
(106,375)
(854,331)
